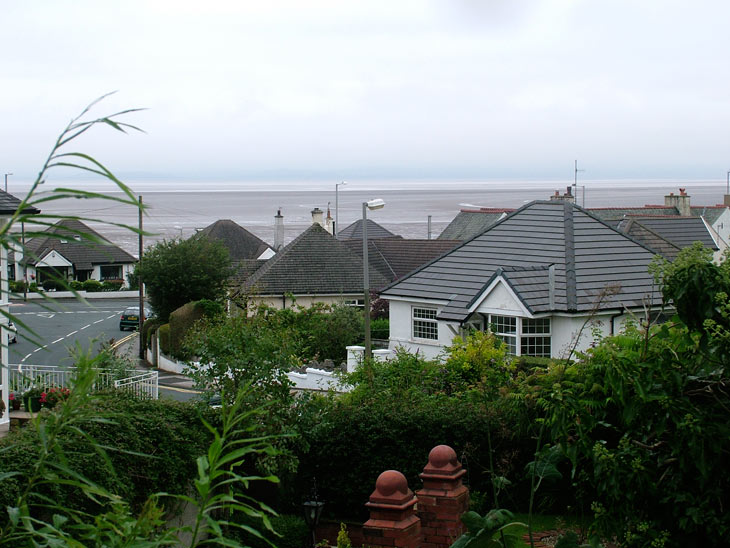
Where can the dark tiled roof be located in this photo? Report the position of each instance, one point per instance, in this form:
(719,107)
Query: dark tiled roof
(648,237)
(396,257)
(588,257)
(315,263)
(241,243)
(469,223)
(71,239)
(710,213)
(354,231)
(245,268)
(9,204)
(681,231)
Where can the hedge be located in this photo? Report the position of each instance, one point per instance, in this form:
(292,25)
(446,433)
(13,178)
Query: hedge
(152,446)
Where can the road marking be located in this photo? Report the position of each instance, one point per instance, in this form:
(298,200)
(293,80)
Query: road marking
(48,315)
(72,333)
(26,357)
(174,389)
(98,321)
(82,328)
(58,340)
(112,316)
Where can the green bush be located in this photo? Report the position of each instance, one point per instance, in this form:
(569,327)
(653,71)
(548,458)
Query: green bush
(148,328)
(111,285)
(151,445)
(92,286)
(53,285)
(164,335)
(76,285)
(17,286)
(33,287)
(184,318)
(292,533)
(380,328)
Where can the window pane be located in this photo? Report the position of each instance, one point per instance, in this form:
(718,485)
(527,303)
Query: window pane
(504,324)
(425,325)
(536,346)
(539,326)
(511,343)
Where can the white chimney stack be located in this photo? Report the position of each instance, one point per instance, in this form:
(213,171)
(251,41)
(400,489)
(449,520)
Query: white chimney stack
(278,230)
(318,217)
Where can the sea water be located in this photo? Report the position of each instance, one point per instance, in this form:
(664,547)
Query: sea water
(179,208)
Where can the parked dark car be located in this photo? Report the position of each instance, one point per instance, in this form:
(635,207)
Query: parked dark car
(130,318)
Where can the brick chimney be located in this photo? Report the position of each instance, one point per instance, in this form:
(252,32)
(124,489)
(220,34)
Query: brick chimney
(567,197)
(681,202)
(329,221)
(278,230)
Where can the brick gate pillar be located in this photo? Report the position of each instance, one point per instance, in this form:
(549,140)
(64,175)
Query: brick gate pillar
(393,520)
(443,499)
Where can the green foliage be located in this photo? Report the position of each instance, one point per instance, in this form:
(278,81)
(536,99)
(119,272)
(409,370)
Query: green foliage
(239,351)
(644,419)
(92,286)
(150,445)
(16,286)
(133,279)
(380,328)
(76,285)
(148,328)
(289,531)
(488,531)
(343,539)
(110,285)
(479,360)
(176,272)
(164,334)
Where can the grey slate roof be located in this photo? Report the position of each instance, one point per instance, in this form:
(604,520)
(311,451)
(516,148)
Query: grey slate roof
(648,237)
(588,256)
(681,231)
(9,204)
(396,257)
(245,268)
(314,263)
(83,253)
(241,243)
(354,231)
(469,223)
(710,213)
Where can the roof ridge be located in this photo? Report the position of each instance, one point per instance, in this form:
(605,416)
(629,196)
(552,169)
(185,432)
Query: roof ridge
(569,239)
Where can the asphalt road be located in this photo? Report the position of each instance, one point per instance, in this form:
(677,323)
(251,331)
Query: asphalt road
(51,332)
(47,333)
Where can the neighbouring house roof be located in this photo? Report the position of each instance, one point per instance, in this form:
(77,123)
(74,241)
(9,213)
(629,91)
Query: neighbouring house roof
(468,223)
(354,231)
(244,269)
(594,265)
(241,243)
(471,222)
(9,204)
(396,257)
(680,231)
(648,237)
(79,244)
(314,263)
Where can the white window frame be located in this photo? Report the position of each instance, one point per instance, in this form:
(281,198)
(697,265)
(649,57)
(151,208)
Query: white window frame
(525,335)
(425,321)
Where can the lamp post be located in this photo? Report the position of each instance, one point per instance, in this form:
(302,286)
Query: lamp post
(312,513)
(337,207)
(6,181)
(371,205)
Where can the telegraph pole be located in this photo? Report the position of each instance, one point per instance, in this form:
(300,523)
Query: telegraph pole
(575,184)
(141,287)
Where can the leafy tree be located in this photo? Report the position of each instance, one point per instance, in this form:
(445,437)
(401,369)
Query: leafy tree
(176,272)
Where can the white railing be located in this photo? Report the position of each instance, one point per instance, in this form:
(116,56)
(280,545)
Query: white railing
(140,383)
(143,385)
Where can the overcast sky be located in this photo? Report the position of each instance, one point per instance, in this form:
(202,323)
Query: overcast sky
(457,89)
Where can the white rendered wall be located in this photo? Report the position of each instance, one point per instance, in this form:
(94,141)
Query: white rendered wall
(401,331)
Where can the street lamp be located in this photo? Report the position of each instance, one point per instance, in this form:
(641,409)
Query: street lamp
(337,207)
(371,205)
(6,181)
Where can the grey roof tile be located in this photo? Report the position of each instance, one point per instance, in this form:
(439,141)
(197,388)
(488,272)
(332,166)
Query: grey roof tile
(314,263)
(354,231)
(70,238)
(241,243)
(587,255)
(9,204)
